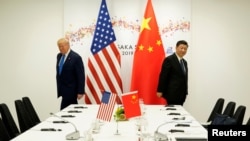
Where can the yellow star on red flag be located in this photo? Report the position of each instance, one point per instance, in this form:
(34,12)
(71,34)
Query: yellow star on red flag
(145,24)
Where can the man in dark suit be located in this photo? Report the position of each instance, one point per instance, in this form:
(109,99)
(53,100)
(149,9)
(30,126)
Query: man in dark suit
(70,75)
(173,79)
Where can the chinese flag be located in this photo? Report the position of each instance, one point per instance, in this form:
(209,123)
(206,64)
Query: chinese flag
(131,105)
(148,58)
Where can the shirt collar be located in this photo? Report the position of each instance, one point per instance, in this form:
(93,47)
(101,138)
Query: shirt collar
(66,55)
(179,58)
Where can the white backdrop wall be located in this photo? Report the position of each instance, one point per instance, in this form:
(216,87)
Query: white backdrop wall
(217,59)
(173,18)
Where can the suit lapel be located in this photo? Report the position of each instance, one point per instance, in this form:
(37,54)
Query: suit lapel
(177,63)
(68,58)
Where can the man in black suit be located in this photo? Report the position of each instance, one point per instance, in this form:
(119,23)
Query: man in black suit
(70,75)
(173,79)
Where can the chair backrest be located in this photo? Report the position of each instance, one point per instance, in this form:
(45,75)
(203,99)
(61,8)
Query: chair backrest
(8,121)
(24,119)
(31,110)
(217,109)
(239,114)
(248,121)
(4,136)
(229,109)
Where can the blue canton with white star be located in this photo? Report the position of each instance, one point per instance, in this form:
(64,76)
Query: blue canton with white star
(104,33)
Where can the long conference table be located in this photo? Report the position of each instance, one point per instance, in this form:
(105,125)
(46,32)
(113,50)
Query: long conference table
(175,123)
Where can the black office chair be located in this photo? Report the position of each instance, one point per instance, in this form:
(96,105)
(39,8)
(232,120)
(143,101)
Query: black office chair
(8,121)
(239,114)
(4,136)
(31,110)
(217,109)
(229,109)
(24,120)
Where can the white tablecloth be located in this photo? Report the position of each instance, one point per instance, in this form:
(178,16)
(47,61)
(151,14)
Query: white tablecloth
(155,117)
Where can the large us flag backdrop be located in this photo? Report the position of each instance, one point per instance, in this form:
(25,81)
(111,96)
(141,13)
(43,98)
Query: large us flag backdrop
(104,64)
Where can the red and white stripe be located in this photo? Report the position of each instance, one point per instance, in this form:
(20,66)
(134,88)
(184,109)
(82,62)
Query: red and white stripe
(104,74)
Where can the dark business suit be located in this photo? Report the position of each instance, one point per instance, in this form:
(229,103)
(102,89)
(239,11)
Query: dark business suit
(173,82)
(71,81)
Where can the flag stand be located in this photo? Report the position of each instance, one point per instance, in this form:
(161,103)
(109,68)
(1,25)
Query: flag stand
(117,130)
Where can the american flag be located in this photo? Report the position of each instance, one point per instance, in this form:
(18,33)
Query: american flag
(104,64)
(107,106)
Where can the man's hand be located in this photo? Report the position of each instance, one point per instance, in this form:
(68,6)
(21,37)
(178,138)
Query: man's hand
(79,96)
(159,94)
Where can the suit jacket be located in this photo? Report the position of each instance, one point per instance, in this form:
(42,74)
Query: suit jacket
(72,79)
(173,83)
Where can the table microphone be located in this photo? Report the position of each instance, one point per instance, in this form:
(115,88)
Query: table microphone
(160,136)
(71,136)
